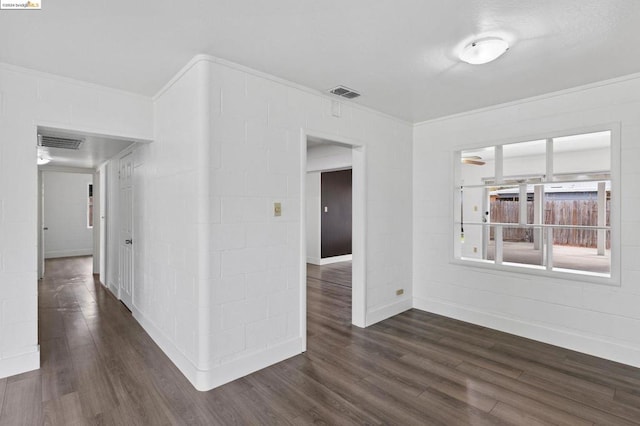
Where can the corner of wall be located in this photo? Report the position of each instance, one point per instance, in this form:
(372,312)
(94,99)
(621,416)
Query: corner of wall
(230,371)
(384,312)
(20,363)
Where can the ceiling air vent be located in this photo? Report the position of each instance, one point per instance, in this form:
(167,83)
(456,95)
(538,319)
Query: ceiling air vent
(57,142)
(344,92)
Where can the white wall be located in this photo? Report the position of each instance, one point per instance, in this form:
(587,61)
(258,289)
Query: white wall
(171,224)
(598,319)
(320,158)
(65,214)
(217,275)
(29,99)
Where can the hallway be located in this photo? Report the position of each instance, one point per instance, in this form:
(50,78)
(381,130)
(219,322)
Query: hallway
(100,367)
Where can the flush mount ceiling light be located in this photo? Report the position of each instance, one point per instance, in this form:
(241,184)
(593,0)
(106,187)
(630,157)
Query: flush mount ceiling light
(484,50)
(43,160)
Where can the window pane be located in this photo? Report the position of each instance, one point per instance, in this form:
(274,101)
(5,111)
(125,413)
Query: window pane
(576,203)
(474,202)
(521,245)
(524,161)
(476,165)
(580,154)
(578,249)
(505,206)
(472,246)
(491,242)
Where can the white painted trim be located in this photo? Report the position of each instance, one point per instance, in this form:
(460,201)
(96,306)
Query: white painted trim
(329,260)
(359,238)
(64,169)
(387,311)
(569,339)
(81,83)
(302,272)
(68,253)
(229,371)
(20,363)
(544,96)
(40,207)
(336,259)
(204,380)
(273,78)
(186,366)
(114,290)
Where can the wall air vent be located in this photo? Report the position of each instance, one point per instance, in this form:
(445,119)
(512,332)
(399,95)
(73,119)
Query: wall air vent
(344,92)
(57,142)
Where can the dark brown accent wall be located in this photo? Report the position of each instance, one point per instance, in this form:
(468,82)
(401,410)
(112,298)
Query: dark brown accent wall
(335,195)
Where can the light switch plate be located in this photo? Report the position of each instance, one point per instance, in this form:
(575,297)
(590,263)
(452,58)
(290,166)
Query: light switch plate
(336,108)
(277,209)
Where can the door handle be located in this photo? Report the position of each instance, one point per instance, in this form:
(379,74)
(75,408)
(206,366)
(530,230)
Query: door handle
(128,241)
(45,228)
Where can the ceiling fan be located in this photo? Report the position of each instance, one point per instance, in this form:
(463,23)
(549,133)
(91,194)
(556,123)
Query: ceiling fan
(472,159)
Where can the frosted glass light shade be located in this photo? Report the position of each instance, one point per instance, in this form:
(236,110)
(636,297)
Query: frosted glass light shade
(484,50)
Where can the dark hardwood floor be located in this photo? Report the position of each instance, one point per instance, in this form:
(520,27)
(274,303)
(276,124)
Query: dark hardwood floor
(100,367)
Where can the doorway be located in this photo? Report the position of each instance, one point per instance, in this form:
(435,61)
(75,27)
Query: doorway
(338,154)
(65,214)
(65,152)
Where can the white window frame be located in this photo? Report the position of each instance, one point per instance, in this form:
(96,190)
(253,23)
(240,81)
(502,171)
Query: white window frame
(572,275)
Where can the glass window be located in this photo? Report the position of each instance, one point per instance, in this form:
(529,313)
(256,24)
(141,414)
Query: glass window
(542,204)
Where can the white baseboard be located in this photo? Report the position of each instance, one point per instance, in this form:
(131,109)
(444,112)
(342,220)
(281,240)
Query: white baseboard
(68,253)
(230,371)
(114,289)
(204,380)
(328,260)
(20,363)
(186,367)
(569,339)
(380,314)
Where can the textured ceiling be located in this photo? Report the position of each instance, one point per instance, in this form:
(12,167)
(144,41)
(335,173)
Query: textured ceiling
(402,56)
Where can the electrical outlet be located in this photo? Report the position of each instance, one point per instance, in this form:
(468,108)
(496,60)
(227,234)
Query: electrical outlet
(475,249)
(400,292)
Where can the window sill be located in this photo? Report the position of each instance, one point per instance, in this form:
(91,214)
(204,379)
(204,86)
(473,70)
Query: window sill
(540,271)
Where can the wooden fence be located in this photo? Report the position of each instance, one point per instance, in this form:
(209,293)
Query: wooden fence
(558,212)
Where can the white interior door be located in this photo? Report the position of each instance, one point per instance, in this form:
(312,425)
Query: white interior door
(41,227)
(102,221)
(126,231)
